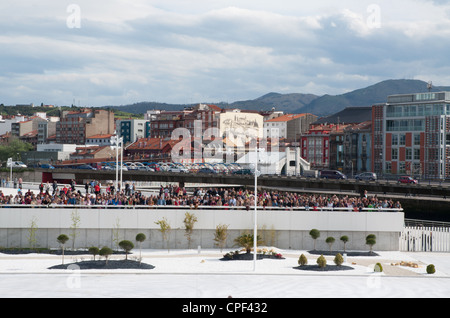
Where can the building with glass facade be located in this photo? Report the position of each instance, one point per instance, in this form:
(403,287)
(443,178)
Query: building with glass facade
(411,135)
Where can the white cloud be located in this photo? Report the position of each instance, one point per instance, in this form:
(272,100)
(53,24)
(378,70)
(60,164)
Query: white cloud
(176,51)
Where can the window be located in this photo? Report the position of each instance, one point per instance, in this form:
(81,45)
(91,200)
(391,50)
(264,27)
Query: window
(402,139)
(402,168)
(416,154)
(408,153)
(394,140)
(416,139)
(388,167)
(394,154)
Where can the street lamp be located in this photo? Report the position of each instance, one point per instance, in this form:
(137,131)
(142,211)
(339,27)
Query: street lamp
(117,142)
(255,226)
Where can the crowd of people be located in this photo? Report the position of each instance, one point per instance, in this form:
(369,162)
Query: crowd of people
(96,194)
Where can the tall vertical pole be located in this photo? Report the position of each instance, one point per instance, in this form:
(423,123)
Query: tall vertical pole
(255,229)
(121,161)
(116,140)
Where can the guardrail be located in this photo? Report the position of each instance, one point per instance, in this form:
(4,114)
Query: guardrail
(200,207)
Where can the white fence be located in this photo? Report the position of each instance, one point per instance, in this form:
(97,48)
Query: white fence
(425,239)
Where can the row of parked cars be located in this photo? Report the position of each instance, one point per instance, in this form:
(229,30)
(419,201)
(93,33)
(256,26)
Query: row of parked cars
(174,167)
(365,176)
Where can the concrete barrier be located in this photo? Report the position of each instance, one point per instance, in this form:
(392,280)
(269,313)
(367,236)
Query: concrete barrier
(280,228)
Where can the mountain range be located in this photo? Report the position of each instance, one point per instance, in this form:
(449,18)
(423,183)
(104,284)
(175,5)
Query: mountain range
(324,105)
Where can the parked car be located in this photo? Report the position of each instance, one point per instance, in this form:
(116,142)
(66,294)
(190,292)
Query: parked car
(370,176)
(87,167)
(206,170)
(145,168)
(243,171)
(311,173)
(406,179)
(332,174)
(178,169)
(46,166)
(16,164)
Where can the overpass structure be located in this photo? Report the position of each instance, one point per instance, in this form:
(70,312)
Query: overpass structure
(428,201)
(441,190)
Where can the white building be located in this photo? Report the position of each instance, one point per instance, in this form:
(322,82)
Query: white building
(131,129)
(5,123)
(287,162)
(63,150)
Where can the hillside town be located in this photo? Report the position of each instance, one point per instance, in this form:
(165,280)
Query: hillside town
(408,134)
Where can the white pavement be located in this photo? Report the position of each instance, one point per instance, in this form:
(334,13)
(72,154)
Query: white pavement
(201,274)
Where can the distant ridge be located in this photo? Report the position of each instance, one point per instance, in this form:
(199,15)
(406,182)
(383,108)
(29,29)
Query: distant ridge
(307,103)
(377,93)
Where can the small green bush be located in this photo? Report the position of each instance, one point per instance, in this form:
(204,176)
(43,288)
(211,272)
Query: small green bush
(338,259)
(321,261)
(431,269)
(344,239)
(371,240)
(127,246)
(302,260)
(378,268)
(94,251)
(330,240)
(315,234)
(105,252)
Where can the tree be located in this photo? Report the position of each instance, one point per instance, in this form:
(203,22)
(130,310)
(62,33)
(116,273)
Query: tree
(189,220)
(315,234)
(74,227)
(378,268)
(105,252)
(116,234)
(62,239)
(330,240)
(220,236)
(321,261)
(338,259)
(344,239)
(371,240)
(126,246)
(302,260)
(164,228)
(15,146)
(32,233)
(94,251)
(246,241)
(140,238)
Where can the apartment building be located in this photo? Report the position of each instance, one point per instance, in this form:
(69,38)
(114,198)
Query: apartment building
(75,127)
(411,135)
(288,126)
(131,129)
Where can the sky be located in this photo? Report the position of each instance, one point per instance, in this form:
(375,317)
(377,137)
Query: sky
(117,52)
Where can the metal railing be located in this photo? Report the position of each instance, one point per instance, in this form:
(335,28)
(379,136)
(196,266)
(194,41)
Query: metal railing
(199,207)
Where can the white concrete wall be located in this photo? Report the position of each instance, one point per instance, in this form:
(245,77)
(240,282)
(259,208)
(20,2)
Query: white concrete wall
(283,229)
